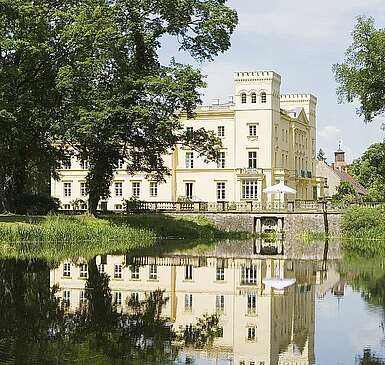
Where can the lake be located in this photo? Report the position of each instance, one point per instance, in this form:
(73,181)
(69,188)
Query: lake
(241,303)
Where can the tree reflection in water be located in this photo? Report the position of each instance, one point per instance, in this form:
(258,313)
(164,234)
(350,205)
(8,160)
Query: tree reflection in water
(36,327)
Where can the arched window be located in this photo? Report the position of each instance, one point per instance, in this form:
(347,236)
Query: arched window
(243,98)
(253,98)
(263,97)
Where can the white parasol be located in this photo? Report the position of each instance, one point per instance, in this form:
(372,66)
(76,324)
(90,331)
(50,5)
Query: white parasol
(279,188)
(277,283)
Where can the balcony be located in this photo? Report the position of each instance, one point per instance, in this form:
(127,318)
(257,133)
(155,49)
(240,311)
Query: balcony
(249,172)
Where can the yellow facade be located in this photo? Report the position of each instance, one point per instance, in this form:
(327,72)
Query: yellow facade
(267,138)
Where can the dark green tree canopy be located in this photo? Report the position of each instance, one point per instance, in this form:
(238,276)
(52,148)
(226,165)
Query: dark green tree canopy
(86,73)
(361,75)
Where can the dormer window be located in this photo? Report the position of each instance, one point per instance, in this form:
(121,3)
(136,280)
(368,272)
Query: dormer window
(263,97)
(253,98)
(243,98)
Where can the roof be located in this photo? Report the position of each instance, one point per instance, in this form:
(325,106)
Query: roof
(344,176)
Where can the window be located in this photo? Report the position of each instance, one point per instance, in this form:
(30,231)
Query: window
(82,298)
(188,302)
(83,270)
(67,269)
(84,165)
(118,298)
(153,188)
(66,164)
(153,275)
(136,189)
(263,97)
(135,297)
(252,159)
(249,275)
(189,160)
(249,189)
(101,268)
(221,163)
(221,191)
(251,304)
(189,130)
(252,130)
(66,298)
(66,207)
(221,131)
(118,271)
(67,189)
(120,164)
(189,190)
(220,274)
(83,189)
(188,272)
(118,206)
(220,303)
(253,98)
(243,98)
(251,332)
(118,189)
(135,272)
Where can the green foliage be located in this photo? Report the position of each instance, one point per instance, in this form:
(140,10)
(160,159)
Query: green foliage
(57,237)
(86,74)
(369,170)
(364,230)
(39,204)
(345,193)
(360,77)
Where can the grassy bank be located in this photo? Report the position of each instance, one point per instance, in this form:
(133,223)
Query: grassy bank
(363,230)
(55,237)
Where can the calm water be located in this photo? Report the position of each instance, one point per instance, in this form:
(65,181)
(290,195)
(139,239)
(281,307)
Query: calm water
(287,305)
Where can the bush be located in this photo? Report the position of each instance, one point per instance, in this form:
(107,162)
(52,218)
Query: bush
(36,204)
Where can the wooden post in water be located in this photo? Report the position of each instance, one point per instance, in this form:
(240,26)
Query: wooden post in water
(325,215)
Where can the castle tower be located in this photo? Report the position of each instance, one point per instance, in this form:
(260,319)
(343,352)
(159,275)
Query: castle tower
(339,159)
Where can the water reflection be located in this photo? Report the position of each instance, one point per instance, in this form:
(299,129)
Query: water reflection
(234,304)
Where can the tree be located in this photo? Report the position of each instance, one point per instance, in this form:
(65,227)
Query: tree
(28,99)
(321,155)
(119,102)
(360,77)
(369,170)
(345,192)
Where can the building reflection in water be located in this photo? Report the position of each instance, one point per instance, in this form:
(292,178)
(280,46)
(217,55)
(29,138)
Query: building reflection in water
(261,324)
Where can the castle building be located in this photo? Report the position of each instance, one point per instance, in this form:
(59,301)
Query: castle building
(267,138)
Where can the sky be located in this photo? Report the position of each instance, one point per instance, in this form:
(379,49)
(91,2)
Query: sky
(301,42)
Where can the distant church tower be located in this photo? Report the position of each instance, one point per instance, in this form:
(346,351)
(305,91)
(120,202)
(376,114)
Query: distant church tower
(339,159)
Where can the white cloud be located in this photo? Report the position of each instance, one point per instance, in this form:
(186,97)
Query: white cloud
(329,132)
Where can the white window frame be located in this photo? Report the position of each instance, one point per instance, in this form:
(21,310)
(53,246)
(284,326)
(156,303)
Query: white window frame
(135,186)
(153,272)
(221,163)
(252,159)
(66,269)
(189,160)
(243,98)
(263,97)
(118,188)
(117,271)
(135,272)
(67,189)
(153,189)
(253,98)
(83,188)
(251,333)
(83,271)
(220,303)
(220,274)
(221,131)
(249,275)
(118,298)
(249,189)
(188,302)
(253,130)
(221,190)
(251,303)
(84,164)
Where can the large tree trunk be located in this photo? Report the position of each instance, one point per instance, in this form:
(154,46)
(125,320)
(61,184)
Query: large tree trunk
(93,202)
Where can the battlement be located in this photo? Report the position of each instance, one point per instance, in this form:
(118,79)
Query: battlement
(298,97)
(256,75)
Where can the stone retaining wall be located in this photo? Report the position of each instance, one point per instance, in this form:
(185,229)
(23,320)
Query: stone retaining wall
(294,223)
